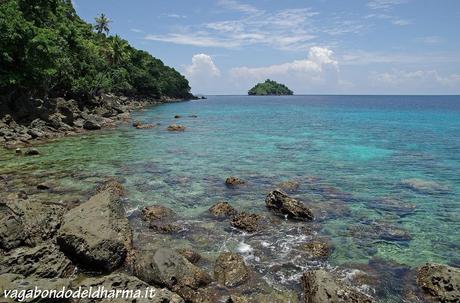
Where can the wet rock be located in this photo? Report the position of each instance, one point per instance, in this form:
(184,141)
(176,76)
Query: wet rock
(230,270)
(424,186)
(394,206)
(97,234)
(281,204)
(167,267)
(42,261)
(121,281)
(232,181)
(91,124)
(177,116)
(112,185)
(440,281)
(176,128)
(317,249)
(379,230)
(319,286)
(160,218)
(189,254)
(43,186)
(222,210)
(140,125)
(245,221)
(18,151)
(289,185)
(12,232)
(32,152)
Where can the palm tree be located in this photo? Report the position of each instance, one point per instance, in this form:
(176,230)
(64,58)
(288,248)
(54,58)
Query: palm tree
(118,50)
(102,24)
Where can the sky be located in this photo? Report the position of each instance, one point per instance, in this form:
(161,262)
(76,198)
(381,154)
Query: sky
(312,46)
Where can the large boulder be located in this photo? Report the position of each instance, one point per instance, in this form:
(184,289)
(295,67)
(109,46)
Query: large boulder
(97,234)
(42,261)
(281,204)
(167,267)
(440,281)
(124,282)
(320,286)
(230,270)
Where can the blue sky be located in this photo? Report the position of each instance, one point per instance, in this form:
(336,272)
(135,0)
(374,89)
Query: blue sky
(317,46)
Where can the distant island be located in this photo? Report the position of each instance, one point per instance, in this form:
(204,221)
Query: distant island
(270,87)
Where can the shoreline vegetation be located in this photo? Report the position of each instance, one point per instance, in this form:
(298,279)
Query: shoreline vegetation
(91,242)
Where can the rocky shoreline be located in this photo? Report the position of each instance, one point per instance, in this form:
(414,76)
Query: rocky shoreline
(92,241)
(41,120)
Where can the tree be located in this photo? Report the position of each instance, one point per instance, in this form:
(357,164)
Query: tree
(102,24)
(118,52)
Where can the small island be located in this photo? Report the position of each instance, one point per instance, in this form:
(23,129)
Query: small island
(270,87)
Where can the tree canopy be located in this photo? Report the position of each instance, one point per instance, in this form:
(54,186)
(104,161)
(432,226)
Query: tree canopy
(47,50)
(270,87)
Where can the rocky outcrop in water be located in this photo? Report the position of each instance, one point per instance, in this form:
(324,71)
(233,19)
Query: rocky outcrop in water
(222,210)
(97,234)
(176,128)
(441,282)
(230,270)
(320,286)
(160,218)
(280,203)
(246,221)
(233,181)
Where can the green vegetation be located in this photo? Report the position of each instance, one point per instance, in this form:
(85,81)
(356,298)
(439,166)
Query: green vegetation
(270,87)
(46,50)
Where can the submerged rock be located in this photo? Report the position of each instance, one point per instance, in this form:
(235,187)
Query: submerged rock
(424,186)
(232,181)
(245,221)
(189,254)
(230,270)
(140,125)
(97,234)
(176,128)
(42,261)
(160,218)
(282,204)
(177,116)
(32,152)
(124,282)
(167,267)
(222,210)
(320,286)
(440,281)
(289,185)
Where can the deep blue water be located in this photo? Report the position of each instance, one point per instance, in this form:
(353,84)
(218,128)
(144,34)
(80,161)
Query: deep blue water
(382,173)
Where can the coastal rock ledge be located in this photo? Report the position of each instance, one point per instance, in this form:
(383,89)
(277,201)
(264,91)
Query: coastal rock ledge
(440,281)
(281,204)
(97,234)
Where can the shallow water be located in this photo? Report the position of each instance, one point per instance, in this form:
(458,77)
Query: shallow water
(362,162)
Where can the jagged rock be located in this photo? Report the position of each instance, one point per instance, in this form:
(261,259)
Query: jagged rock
(440,281)
(320,286)
(160,218)
(289,185)
(97,234)
(42,261)
(91,124)
(245,221)
(176,128)
(189,254)
(230,270)
(32,152)
(167,267)
(280,203)
(121,281)
(222,209)
(232,181)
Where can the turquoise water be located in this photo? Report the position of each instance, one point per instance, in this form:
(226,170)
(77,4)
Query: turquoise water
(369,167)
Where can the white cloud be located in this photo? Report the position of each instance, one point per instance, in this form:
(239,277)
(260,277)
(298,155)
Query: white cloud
(317,71)
(197,39)
(136,30)
(430,40)
(384,4)
(401,22)
(238,6)
(177,16)
(202,73)
(422,79)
